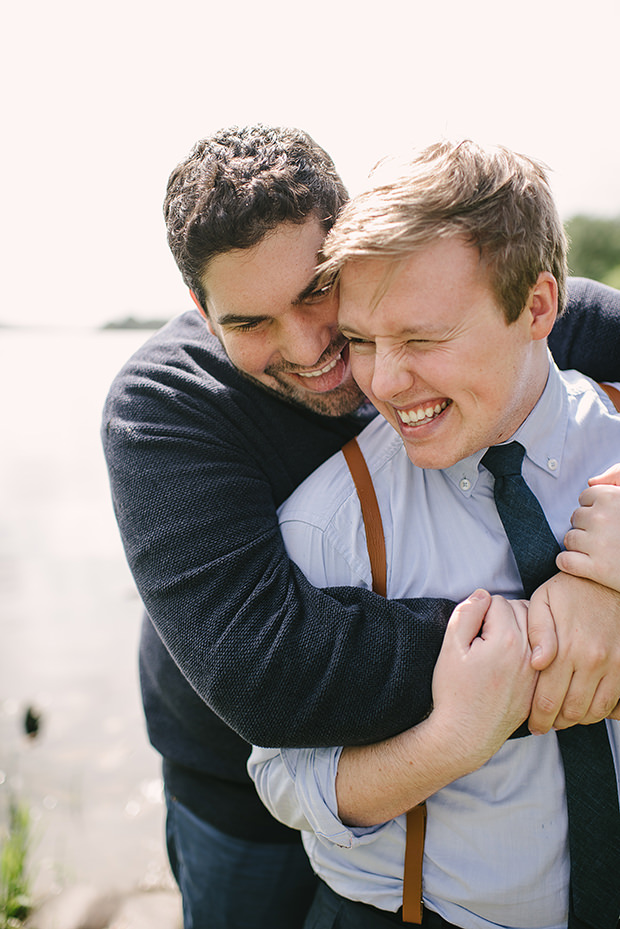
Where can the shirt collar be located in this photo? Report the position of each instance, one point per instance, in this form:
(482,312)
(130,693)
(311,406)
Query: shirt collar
(542,434)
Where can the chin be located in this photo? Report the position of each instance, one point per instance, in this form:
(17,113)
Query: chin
(338,402)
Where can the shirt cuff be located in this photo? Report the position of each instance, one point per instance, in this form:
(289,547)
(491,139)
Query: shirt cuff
(314,772)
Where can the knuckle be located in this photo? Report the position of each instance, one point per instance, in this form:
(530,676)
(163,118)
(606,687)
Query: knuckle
(572,713)
(602,710)
(545,704)
(570,539)
(597,657)
(561,723)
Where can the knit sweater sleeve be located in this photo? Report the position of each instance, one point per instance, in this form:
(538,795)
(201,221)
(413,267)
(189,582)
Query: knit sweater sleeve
(281,662)
(587,336)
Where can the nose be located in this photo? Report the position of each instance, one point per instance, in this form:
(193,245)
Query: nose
(390,377)
(306,335)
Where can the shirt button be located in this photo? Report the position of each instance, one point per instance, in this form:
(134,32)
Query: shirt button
(552,464)
(464,483)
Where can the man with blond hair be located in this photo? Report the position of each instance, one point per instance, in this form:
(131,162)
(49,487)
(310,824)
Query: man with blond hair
(450,280)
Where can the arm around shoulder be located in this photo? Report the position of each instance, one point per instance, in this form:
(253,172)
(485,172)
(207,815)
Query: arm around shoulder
(197,513)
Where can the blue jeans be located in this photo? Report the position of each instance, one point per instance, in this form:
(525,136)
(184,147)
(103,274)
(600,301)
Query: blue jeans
(230,883)
(331,911)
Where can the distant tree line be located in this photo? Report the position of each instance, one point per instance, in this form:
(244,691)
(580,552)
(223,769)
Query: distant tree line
(132,322)
(594,248)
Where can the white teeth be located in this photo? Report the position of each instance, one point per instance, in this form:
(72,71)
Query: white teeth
(422,413)
(328,367)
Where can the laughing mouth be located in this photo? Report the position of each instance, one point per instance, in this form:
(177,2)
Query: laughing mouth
(422,414)
(328,367)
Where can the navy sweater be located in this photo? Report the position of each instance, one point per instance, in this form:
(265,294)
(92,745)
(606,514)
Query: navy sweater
(236,646)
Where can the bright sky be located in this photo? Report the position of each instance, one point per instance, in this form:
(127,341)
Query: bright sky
(101,101)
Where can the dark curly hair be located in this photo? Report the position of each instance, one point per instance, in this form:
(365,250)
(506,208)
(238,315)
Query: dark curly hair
(239,184)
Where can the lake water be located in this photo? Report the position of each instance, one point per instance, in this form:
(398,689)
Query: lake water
(69,621)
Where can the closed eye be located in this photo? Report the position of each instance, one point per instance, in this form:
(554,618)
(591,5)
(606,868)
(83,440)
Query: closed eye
(249,325)
(361,345)
(235,322)
(315,296)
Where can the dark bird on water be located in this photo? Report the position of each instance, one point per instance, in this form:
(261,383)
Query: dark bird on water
(32,722)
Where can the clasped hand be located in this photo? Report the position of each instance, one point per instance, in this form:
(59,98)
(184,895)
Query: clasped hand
(573,630)
(574,619)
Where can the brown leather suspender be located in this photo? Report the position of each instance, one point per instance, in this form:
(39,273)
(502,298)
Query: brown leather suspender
(613,393)
(375,540)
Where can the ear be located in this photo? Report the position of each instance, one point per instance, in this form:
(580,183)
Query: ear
(543,305)
(202,311)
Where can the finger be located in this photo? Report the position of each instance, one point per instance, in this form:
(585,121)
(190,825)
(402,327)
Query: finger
(587,496)
(603,704)
(520,611)
(601,566)
(582,517)
(615,713)
(551,688)
(541,632)
(601,501)
(576,563)
(578,540)
(577,702)
(468,616)
(610,476)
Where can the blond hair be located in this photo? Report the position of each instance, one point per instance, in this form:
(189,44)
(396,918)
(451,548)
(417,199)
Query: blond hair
(493,199)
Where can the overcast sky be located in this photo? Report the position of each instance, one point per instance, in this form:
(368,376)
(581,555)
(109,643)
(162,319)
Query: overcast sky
(102,102)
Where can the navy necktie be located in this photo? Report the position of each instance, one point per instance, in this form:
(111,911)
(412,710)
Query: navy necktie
(591,789)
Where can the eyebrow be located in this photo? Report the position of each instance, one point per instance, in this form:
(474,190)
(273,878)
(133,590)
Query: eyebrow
(420,332)
(236,319)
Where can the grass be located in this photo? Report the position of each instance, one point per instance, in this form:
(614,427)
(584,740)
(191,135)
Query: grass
(15,901)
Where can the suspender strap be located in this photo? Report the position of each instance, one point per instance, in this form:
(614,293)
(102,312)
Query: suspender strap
(613,393)
(414,856)
(375,540)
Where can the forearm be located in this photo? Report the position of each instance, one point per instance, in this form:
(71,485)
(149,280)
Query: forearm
(200,529)
(482,689)
(380,782)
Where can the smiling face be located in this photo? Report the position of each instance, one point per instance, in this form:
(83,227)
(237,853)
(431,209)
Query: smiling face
(431,348)
(274,327)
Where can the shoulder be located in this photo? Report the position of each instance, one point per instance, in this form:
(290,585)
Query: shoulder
(329,492)
(181,354)
(585,394)
(176,387)
(321,495)
(587,335)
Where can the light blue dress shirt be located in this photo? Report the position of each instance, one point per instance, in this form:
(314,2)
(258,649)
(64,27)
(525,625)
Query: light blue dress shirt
(496,851)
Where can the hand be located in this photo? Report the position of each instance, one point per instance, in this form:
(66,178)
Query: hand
(484,681)
(593,544)
(581,684)
(482,689)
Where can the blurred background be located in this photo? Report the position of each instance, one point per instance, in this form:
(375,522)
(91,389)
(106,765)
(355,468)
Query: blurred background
(99,104)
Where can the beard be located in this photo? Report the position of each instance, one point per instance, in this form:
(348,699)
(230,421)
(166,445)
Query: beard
(344,398)
(338,402)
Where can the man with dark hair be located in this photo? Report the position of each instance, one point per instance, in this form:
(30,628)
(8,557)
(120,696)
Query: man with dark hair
(207,430)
